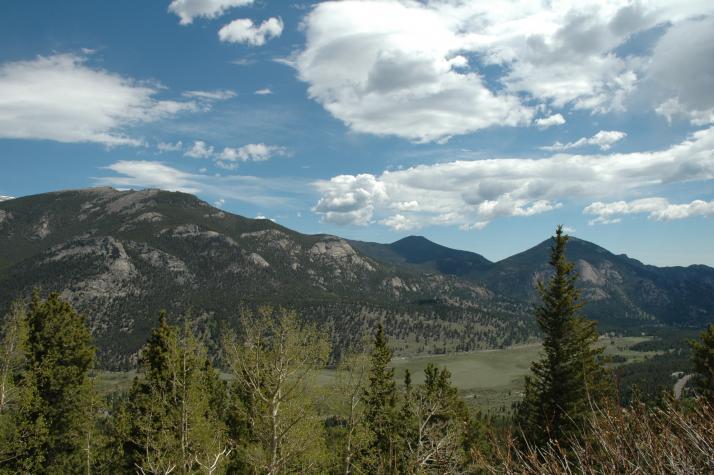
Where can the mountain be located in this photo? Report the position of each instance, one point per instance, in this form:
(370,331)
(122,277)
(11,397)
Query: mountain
(425,255)
(619,290)
(122,256)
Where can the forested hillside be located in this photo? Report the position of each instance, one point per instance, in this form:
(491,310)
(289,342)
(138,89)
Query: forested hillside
(121,256)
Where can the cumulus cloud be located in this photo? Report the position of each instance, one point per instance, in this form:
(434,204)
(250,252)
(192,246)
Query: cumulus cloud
(244,31)
(263,92)
(394,68)
(603,139)
(187,10)
(199,149)
(252,152)
(62,98)
(550,121)
(5,197)
(416,69)
(682,73)
(657,209)
(163,147)
(469,194)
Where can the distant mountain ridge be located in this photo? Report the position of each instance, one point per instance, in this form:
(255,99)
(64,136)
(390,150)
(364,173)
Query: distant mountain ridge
(121,256)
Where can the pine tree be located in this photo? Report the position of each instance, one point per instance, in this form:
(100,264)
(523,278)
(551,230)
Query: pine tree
(703,358)
(54,414)
(569,379)
(380,399)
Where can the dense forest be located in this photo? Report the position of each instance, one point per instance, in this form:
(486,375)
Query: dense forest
(253,406)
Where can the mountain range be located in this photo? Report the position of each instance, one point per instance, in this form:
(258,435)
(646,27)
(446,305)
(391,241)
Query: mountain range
(122,256)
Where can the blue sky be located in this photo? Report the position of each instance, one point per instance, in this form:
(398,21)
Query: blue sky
(480,125)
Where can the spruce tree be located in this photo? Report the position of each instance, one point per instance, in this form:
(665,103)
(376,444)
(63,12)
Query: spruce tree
(569,379)
(380,398)
(703,358)
(55,413)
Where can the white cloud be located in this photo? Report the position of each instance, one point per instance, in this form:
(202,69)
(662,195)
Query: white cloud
(62,98)
(253,152)
(657,209)
(219,203)
(187,10)
(399,222)
(264,92)
(551,120)
(217,95)
(244,31)
(604,139)
(270,192)
(150,174)
(395,68)
(163,147)
(469,194)
(5,197)
(199,149)
(681,71)
(569,230)
(415,69)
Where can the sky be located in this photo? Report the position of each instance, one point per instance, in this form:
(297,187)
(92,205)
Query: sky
(480,125)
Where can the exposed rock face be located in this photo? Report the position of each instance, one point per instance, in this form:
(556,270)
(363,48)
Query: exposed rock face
(42,229)
(131,202)
(149,217)
(339,251)
(258,260)
(5,216)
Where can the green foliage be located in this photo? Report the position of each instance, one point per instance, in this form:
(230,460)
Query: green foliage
(273,366)
(169,423)
(435,422)
(703,358)
(570,378)
(54,416)
(380,399)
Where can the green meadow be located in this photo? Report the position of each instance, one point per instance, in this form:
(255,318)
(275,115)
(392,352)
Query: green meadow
(488,379)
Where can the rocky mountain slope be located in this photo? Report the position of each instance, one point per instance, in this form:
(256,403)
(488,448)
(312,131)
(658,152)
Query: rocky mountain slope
(121,256)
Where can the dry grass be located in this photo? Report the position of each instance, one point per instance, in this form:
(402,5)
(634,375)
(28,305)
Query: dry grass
(672,439)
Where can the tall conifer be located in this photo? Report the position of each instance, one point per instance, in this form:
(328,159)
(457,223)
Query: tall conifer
(380,399)
(569,379)
(703,356)
(54,414)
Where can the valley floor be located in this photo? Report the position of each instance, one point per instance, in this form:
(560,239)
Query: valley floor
(489,380)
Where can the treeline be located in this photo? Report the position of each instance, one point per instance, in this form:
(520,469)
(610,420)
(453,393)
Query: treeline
(264,412)
(182,416)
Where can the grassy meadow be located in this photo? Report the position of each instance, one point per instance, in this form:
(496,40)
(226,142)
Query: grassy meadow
(488,379)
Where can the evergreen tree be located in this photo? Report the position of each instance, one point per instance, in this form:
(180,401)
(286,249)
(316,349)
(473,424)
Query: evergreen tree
(380,399)
(703,357)
(55,413)
(570,378)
